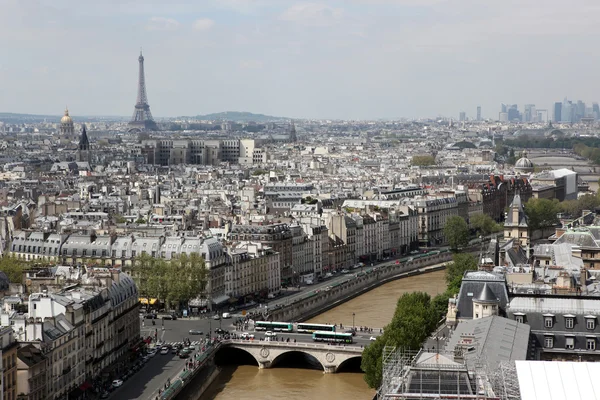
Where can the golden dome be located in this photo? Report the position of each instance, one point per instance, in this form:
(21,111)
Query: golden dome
(66,119)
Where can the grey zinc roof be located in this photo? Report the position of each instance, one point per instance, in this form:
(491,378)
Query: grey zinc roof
(496,339)
(580,237)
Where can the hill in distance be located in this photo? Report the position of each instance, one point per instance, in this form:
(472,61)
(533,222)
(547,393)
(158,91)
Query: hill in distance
(238,116)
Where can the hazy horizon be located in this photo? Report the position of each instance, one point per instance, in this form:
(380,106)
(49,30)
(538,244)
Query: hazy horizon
(343,59)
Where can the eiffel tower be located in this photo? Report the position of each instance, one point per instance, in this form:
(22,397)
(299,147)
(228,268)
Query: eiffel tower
(142,118)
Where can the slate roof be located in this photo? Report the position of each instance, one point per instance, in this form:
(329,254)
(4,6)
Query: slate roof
(30,355)
(472,285)
(486,294)
(495,339)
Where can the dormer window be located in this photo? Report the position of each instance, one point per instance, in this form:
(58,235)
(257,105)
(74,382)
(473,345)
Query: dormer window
(590,322)
(519,317)
(548,320)
(569,321)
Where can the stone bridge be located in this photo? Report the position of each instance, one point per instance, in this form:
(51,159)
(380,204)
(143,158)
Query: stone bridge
(331,357)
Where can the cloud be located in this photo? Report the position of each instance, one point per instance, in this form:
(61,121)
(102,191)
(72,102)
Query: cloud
(251,64)
(312,14)
(203,24)
(162,24)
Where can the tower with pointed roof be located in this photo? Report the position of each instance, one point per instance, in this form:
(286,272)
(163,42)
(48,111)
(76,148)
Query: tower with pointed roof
(516,225)
(83,150)
(486,303)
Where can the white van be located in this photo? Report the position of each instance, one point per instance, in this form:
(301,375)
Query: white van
(226,315)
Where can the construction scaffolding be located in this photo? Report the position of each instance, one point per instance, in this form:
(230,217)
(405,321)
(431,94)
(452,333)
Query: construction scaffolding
(410,375)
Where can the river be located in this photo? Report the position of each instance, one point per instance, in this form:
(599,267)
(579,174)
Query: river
(374,309)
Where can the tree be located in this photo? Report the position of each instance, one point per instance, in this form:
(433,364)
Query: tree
(542,213)
(413,321)
(456,231)
(13,268)
(140,220)
(423,161)
(575,207)
(484,224)
(175,281)
(461,262)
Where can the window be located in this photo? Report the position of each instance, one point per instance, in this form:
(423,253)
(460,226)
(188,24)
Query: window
(570,342)
(519,318)
(590,344)
(548,342)
(590,323)
(569,322)
(548,322)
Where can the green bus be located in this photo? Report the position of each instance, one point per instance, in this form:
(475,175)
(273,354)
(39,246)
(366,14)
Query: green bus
(332,337)
(310,328)
(273,326)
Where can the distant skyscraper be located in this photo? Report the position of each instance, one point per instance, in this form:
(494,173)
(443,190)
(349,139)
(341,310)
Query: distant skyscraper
(557,112)
(513,113)
(503,117)
(478,113)
(503,108)
(596,111)
(462,116)
(567,113)
(142,117)
(529,115)
(580,112)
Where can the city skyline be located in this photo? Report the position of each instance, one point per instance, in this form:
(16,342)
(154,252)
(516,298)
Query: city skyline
(349,59)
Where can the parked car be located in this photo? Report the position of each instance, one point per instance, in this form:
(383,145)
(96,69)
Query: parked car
(372,338)
(169,316)
(117,383)
(104,395)
(226,315)
(270,333)
(217,317)
(195,332)
(345,271)
(220,331)
(165,350)
(247,335)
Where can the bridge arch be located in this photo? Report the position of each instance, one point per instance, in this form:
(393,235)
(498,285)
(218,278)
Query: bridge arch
(298,356)
(231,355)
(351,364)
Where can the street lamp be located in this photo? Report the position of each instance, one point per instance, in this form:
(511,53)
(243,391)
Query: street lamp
(353,327)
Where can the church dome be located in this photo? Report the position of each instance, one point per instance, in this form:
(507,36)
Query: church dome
(66,120)
(524,164)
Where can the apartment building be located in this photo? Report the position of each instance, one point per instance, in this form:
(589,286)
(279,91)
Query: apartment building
(252,272)
(563,327)
(81,330)
(31,373)
(8,347)
(276,236)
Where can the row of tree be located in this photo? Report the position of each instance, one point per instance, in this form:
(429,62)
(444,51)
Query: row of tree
(457,230)
(174,281)
(416,316)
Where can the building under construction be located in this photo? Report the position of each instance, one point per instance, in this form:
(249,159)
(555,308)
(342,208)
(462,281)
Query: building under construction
(429,375)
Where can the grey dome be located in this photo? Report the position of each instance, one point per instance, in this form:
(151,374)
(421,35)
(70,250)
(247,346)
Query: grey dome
(524,164)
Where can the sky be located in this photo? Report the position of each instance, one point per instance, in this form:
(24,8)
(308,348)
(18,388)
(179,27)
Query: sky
(339,59)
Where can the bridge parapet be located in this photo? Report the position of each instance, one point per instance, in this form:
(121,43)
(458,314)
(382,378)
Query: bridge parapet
(331,357)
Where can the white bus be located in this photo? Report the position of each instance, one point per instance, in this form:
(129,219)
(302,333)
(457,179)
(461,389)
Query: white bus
(310,328)
(273,326)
